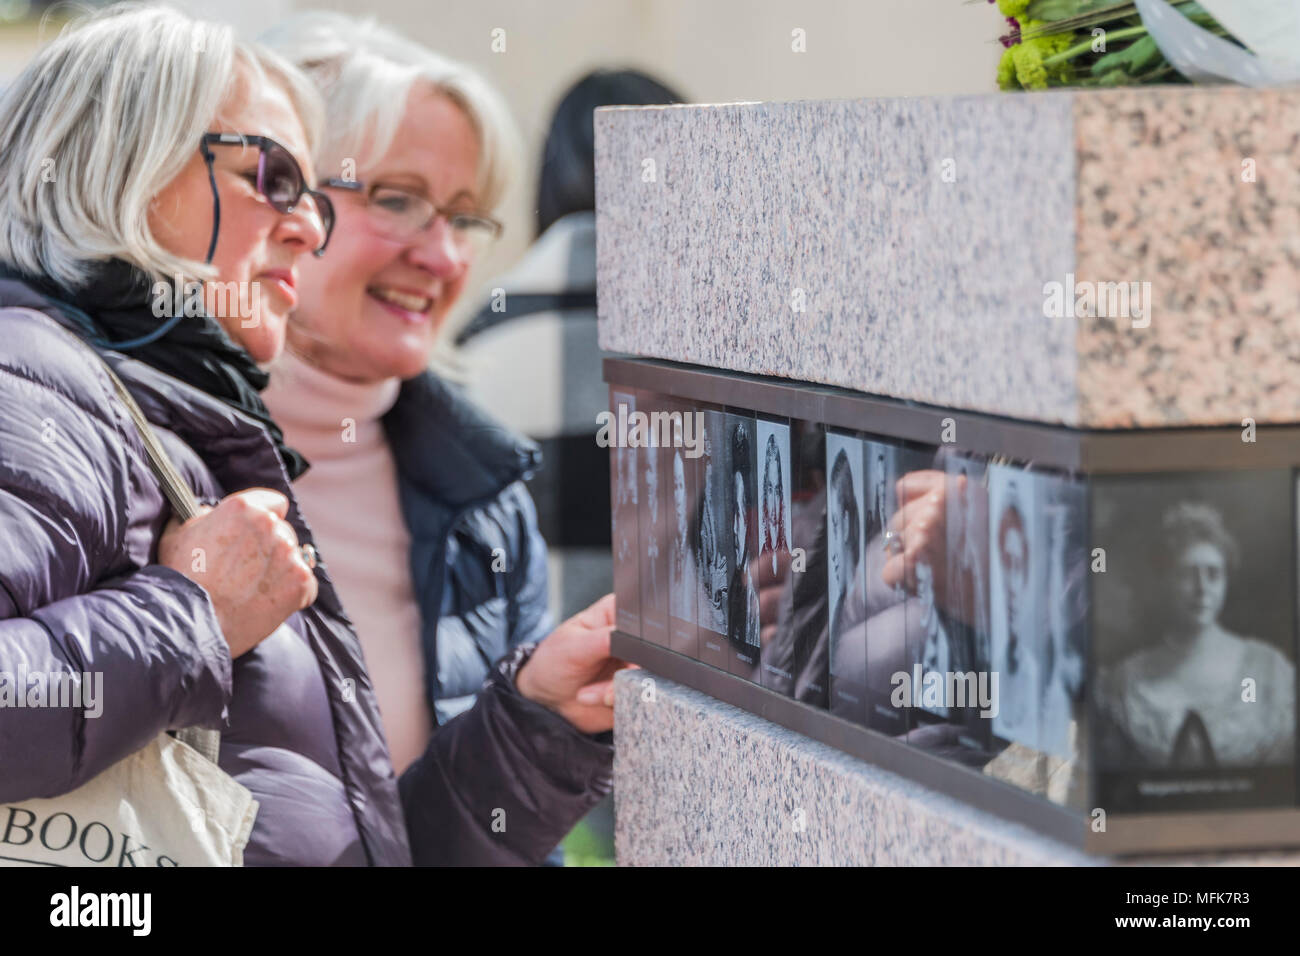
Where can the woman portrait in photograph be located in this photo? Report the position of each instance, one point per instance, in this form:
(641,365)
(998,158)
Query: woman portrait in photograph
(681,558)
(1067,598)
(1015,618)
(773,519)
(937,648)
(712,561)
(625,504)
(843,548)
(1182,702)
(967,515)
(742,595)
(654,596)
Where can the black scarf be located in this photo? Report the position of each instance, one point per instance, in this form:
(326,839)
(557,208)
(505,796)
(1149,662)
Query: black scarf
(117,302)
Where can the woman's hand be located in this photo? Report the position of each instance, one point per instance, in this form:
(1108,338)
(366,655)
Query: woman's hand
(772,591)
(246,556)
(921,524)
(571,671)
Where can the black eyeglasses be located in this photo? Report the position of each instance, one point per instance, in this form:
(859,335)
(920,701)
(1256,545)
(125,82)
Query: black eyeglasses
(403,214)
(279,179)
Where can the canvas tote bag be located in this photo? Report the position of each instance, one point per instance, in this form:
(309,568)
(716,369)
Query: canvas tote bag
(166,805)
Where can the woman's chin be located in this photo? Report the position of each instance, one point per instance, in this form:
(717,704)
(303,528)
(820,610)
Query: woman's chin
(265,342)
(261,335)
(405,361)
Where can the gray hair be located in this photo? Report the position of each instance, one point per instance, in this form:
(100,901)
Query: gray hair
(102,119)
(366,73)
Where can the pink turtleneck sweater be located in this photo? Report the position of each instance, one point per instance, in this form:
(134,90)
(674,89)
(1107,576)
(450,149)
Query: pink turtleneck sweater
(350,500)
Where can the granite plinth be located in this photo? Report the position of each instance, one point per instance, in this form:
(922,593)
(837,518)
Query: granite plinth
(699,782)
(903,247)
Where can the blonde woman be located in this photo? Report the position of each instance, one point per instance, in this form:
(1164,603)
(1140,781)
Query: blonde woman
(416,493)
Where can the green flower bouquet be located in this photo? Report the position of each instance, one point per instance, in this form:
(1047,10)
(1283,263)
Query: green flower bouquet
(1055,43)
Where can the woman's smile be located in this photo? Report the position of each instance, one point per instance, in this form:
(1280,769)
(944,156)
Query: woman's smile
(411,306)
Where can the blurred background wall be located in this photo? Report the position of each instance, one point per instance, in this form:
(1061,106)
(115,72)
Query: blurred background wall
(711,50)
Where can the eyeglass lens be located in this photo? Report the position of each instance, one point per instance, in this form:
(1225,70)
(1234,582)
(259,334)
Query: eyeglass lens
(280,180)
(404,214)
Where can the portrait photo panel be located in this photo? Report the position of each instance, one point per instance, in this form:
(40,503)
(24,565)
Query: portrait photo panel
(714,547)
(1193,641)
(887,642)
(1017,600)
(940,679)
(742,590)
(681,508)
(809,621)
(1065,665)
(624,520)
(775,473)
(845,576)
(652,522)
(966,527)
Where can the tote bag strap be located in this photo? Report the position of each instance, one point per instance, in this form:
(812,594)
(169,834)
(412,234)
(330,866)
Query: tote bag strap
(186,506)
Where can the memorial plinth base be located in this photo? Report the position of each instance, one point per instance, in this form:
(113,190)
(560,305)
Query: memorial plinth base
(699,782)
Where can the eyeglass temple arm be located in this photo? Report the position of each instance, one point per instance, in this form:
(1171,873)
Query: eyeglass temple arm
(208,157)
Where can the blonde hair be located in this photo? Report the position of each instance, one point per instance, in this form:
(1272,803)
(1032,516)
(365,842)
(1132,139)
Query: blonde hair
(102,119)
(365,72)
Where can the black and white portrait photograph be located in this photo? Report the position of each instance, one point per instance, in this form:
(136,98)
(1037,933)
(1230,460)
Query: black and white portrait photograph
(742,590)
(1065,513)
(683,584)
(1017,601)
(801,646)
(1194,624)
(626,542)
(846,609)
(715,550)
(774,535)
(939,641)
(936,643)
(895,616)
(967,528)
(882,485)
(653,525)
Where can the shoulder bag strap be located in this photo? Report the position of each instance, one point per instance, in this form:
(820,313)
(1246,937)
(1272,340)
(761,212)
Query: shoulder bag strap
(205,741)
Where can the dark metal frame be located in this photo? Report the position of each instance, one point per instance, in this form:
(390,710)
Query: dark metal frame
(1125,834)
(1092,452)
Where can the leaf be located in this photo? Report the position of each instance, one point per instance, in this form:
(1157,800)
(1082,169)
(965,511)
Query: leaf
(1102,17)
(1133,59)
(1064,9)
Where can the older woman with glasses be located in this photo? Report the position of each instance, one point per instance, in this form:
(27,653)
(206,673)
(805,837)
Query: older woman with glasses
(154,208)
(415,493)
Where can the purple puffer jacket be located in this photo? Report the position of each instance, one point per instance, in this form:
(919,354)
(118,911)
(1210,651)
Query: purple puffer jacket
(80,517)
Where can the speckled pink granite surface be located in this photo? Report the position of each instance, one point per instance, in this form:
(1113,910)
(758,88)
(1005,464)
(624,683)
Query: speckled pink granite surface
(916,237)
(1164,195)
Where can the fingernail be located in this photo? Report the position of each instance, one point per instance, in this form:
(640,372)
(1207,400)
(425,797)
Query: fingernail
(588,696)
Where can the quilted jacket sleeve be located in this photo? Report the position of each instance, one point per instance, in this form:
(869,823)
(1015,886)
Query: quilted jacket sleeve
(129,651)
(503,783)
